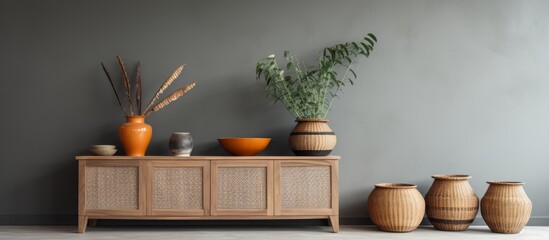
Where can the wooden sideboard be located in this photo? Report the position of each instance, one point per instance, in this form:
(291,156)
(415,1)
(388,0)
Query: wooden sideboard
(207,188)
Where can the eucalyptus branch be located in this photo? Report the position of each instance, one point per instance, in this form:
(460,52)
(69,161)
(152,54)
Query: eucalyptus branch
(337,90)
(287,99)
(279,78)
(324,91)
(305,93)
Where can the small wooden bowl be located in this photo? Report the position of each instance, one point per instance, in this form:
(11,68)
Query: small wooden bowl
(101,147)
(103,152)
(244,146)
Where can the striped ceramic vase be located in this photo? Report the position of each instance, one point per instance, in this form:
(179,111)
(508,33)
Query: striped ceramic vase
(312,137)
(396,207)
(505,207)
(451,203)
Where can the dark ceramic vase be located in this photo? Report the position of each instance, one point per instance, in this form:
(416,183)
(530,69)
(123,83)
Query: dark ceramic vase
(181,144)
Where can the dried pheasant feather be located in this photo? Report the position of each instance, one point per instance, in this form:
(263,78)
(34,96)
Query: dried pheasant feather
(138,88)
(165,85)
(174,96)
(113,88)
(126,83)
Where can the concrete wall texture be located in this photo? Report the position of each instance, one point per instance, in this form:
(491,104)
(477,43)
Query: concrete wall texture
(452,87)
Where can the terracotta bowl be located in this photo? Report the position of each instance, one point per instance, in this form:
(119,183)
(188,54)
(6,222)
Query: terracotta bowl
(244,146)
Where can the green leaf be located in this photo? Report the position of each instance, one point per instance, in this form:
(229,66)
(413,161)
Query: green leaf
(353,72)
(341,53)
(369,40)
(289,65)
(332,75)
(349,60)
(365,46)
(372,36)
(286,54)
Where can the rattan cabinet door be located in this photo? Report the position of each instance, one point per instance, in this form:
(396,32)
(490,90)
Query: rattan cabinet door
(111,188)
(305,187)
(242,187)
(180,188)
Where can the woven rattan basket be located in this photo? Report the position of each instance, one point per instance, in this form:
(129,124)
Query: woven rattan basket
(451,203)
(505,207)
(312,137)
(396,207)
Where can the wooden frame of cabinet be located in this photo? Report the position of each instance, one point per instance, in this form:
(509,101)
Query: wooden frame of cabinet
(142,170)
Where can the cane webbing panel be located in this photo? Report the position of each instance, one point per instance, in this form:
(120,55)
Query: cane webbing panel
(305,187)
(177,188)
(113,188)
(242,188)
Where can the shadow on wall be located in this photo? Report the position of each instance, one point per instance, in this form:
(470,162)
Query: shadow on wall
(354,212)
(56,188)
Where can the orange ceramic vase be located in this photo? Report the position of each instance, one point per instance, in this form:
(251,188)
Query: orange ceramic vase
(135,135)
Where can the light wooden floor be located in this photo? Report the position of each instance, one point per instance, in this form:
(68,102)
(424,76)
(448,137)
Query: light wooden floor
(250,233)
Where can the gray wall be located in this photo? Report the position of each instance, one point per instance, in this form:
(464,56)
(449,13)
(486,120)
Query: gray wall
(452,87)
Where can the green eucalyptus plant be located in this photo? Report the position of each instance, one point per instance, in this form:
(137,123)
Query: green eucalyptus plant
(308,92)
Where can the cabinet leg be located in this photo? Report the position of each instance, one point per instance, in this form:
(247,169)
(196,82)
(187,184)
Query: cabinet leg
(334,222)
(92,222)
(82,223)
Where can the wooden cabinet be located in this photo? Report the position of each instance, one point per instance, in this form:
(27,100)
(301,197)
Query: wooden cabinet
(208,187)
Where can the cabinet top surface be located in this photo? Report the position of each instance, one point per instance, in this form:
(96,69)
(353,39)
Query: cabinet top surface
(208,158)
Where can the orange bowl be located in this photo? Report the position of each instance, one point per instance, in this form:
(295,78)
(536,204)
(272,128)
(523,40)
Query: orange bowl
(244,146)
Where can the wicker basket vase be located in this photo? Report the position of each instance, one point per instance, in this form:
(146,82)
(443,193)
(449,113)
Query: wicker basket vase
(312,137)
(505,207)
(396,207)
(451,202)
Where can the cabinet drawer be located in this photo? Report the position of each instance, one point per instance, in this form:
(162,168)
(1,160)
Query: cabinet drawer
(112,188)
(242,187)
(306,187)
(178,188)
